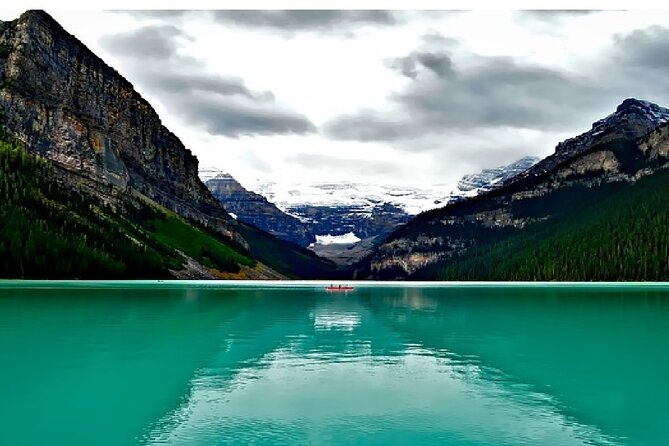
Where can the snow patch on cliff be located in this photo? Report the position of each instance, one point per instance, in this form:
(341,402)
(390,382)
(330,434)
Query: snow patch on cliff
(345,239)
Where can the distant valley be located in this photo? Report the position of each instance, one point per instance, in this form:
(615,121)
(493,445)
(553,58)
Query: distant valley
(352,217)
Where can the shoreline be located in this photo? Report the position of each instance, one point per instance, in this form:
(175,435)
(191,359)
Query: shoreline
(232,284)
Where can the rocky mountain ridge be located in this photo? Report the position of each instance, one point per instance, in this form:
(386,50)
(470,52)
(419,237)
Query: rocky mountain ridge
(69,106)
(254,209)
(627,145)
(105,148)
(305,224)
(332,210)
(632,119)
(488,179)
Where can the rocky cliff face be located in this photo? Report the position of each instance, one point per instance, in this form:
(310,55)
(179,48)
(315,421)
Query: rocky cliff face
(255,209)
(66,104)
(623,147)
(632,119)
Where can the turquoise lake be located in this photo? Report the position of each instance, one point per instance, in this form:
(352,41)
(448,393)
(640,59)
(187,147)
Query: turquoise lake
(210,364)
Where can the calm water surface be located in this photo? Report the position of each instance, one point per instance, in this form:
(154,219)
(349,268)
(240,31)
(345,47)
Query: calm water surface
(190,365)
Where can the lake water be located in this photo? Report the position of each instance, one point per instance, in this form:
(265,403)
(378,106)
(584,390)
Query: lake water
(196,364)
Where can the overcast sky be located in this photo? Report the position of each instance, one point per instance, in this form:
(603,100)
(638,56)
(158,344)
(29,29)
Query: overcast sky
(394,97)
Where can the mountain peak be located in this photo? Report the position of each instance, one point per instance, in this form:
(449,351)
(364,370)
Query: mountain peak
(35,14)
(39,16)
(633,103)
(489,178)
(633,118)
(644,109)
(224,177)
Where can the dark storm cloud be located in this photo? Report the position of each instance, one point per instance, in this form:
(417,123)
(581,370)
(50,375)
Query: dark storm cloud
(495,92)
(645,48)
(311,20)
(221,105)
(151,42)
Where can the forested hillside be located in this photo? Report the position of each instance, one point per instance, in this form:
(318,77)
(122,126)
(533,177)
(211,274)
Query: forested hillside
(615,232)
(594,210)
(48,231)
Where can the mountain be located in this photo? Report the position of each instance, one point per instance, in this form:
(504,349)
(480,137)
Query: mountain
(346,219)
(297,198)
(339,223)
(71,108)
(254,209)
(487,179)
(96,187)
(304,200)
(633,118)
(590,211)
(342,221)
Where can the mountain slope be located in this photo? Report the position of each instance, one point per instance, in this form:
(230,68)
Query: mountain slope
(50,231)
(533,207)
(338,210)
(254,209)
(109,158)
(70,107)
(622,236)
(488,179)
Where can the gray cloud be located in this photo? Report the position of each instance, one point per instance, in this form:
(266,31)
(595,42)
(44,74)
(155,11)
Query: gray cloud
(356,166)
(549,22)
(439,63)
(370,125)
(151,42)
(557,12)
(552,16)
(221,105)
(495,92)
(156,13)
(235,116)
(434,39)
(183,82)
(284,21)
(645,48)
(310,20)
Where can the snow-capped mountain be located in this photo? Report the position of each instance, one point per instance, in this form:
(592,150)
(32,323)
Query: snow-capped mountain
(633,118)
(342,213)
(207,173)
(364,197)
(255,209)
(489,178)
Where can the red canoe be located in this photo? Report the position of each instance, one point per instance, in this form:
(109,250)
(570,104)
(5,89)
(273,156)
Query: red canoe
(338,288)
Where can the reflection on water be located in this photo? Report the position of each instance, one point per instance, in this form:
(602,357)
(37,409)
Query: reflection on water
(456,366)
(324,321)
